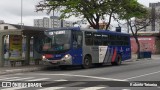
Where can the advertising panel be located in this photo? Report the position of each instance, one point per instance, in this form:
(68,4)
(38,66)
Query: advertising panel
(15,46)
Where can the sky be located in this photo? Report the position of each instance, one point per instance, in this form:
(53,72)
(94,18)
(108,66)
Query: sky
(10,11)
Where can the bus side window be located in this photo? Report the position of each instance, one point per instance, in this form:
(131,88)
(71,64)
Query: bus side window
(97,39)
(105,39)
(77,39)
(88,38)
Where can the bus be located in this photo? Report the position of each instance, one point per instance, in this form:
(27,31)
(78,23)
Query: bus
(85,47)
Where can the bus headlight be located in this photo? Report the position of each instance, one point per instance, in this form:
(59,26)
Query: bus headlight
(67,56)
(43,57)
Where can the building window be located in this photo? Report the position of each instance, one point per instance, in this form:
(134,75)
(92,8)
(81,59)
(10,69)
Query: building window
(5,27)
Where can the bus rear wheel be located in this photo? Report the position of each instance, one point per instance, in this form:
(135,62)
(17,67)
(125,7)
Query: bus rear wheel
(87,62)
(118,60)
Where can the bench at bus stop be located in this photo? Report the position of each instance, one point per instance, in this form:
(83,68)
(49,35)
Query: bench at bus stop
(13,62)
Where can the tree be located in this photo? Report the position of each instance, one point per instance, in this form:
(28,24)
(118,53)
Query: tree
(92,10)
(141,17)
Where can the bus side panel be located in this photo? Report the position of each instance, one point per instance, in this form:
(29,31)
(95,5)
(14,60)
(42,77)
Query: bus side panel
(123,50)
(103,54)
(76,56)
(126,53)
(109,54)
(93,51)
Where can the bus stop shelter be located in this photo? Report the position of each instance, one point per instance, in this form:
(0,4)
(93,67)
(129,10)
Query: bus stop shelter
(26,31)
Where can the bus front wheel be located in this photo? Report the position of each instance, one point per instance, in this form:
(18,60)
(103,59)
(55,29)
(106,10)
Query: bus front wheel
(87,62)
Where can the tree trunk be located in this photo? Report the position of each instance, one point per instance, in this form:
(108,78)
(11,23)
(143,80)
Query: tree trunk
(136,38)
(108,24)
(138,47)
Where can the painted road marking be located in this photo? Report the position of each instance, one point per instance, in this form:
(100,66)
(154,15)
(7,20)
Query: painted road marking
(20,79)
(142,75)
(84,76)
(61,80)
(93,88)
(52,88)
(8,78)
(12,70)
(14,88)
(39,79)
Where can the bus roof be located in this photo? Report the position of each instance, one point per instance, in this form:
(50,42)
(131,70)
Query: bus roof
(94,30)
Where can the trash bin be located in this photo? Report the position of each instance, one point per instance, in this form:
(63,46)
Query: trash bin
(147,54)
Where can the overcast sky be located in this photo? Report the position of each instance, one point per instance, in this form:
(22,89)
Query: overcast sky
(10,10)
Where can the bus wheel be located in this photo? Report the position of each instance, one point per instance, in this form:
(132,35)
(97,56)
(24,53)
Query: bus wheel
(118,60)
(87,62)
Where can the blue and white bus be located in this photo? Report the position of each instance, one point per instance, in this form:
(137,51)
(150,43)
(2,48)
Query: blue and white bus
(76,46)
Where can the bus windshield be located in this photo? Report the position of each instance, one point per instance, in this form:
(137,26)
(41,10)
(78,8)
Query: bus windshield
(56,41)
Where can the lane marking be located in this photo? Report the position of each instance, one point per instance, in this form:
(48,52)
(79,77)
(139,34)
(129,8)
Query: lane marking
(142,75)
(14,88)
(61,80)
(52,88)
(126,89)
(39,79)
(20,79)
(84,76)
(93,88)
(14,70)
(9,78)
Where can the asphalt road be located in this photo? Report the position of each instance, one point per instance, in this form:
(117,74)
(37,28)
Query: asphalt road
(135,75)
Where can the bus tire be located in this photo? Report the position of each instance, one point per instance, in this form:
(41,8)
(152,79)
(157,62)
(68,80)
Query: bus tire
(87,62)
(118,60)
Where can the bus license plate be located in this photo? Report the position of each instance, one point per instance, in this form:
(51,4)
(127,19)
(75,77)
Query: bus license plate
(54,61)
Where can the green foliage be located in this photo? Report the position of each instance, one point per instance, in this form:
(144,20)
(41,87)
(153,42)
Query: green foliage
(94,10)
(131,8)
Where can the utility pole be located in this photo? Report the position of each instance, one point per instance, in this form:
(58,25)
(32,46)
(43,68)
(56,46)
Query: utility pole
(21,12)
(53,18)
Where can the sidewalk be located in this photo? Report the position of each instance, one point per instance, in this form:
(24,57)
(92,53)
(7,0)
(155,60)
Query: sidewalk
(153,57)
(20,69)
(31,68)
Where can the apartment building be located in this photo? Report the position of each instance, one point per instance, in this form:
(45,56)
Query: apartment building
(155,18)
(52,22)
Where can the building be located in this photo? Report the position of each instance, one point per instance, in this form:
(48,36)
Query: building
(52,22)
(148,42)
(149,37)
(155,15)
(154,25)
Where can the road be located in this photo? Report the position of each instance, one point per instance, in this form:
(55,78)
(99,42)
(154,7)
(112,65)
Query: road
(123,77)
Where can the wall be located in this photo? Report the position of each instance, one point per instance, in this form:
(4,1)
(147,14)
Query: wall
(9,26)
(147,43)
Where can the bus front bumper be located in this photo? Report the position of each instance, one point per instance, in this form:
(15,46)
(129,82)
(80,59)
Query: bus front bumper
(63,61)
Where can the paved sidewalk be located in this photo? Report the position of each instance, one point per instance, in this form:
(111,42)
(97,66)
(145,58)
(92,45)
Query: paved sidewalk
(153,57)
(31,68)
(20,69)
